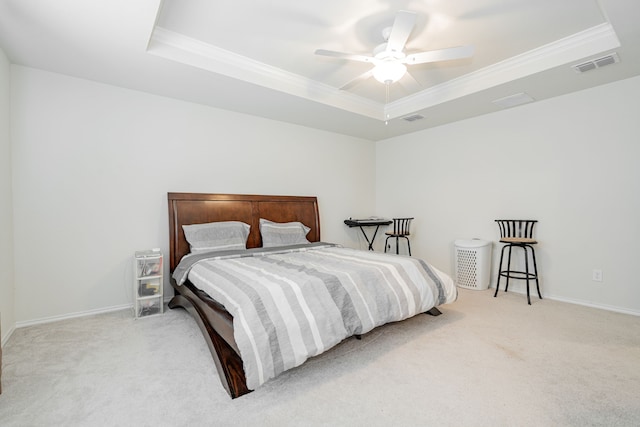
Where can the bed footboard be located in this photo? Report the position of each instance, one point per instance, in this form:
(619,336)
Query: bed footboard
(210,320)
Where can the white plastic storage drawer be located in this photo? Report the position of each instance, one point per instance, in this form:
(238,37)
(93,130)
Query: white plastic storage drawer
(473,263)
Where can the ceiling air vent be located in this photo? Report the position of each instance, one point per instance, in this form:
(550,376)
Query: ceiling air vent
(596,63)
(413,118)
(513,100)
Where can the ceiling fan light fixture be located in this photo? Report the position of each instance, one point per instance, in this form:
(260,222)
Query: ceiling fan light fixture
(389,58)
(389,71)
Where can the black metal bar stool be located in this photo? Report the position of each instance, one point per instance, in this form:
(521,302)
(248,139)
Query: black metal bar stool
(518,233)
(400,230)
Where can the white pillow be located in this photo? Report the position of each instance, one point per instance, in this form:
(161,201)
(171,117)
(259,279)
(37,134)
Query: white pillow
(217,236)
(282,233)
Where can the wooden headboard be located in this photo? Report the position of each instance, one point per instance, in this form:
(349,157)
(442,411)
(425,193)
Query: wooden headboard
(198,208)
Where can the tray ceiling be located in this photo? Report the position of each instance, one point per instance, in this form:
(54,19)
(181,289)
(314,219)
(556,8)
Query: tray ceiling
(257,57)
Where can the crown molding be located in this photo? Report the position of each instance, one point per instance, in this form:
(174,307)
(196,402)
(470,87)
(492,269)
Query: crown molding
(186,50)
(592,41)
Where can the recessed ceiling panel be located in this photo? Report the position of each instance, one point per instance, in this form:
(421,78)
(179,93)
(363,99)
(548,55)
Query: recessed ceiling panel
(279,38)
(285,34)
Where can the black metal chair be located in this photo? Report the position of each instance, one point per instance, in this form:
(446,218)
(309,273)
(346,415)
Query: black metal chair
(400,230)
(518,233)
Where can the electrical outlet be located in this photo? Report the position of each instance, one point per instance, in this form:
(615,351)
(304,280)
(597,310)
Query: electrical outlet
(597,276)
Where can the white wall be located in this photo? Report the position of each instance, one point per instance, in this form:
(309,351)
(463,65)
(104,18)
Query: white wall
(571,162)
(7,318)
(92,165)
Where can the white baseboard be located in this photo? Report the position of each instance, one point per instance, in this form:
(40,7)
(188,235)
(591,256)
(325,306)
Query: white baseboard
(76,315)
(590,304)
(575,301)
(72,315)
(6,337)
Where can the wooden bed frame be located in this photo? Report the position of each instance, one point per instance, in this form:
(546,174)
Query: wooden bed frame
(214,321)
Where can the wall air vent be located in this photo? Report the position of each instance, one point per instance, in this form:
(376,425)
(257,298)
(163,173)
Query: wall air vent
(413,118)
(596,63)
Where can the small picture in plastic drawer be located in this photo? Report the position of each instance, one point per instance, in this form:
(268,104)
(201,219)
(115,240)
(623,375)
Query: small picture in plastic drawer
(149,307)
(149,287)
(150,267)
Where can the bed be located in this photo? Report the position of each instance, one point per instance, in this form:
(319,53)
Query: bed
(210,284)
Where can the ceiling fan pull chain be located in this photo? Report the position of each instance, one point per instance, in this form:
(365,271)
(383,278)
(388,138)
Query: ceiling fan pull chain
(386,86)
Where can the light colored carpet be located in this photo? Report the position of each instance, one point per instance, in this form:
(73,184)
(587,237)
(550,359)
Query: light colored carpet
(485,362)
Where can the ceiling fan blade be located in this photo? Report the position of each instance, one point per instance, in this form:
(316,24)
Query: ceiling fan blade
(410,83)
(349,56)
(402,27)
(448,54)
(361,78)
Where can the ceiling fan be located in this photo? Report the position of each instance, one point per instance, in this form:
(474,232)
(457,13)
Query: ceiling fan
(388,58)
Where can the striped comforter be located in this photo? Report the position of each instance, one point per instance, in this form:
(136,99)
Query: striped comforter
(289,304)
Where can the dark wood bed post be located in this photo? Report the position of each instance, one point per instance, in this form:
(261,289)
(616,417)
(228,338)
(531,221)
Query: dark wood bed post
(227,361)
(214,321)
